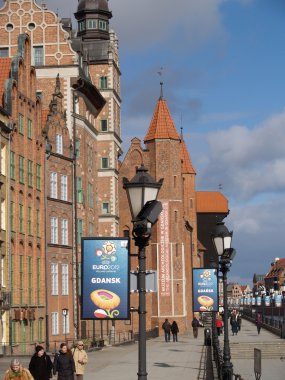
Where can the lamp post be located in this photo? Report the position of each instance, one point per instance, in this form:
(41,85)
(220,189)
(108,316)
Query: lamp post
(142,193)
(222,242)
(65,314)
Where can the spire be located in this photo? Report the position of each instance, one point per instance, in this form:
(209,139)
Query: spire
(162,125)
(161,90)
(187,167)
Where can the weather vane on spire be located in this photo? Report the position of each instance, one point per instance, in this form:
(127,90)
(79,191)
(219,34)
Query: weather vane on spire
(160,73)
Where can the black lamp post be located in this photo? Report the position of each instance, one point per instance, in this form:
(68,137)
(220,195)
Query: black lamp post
(142,192)
(222,242)
(65,314)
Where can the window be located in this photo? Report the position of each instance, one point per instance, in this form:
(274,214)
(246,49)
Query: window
(30,229)
(105,163)
(32,331)
(77,148)
(58,144)
(103,83)
(54,279)
(38,55)
(54,230)
(79,190)
(91,24)
(38,223)
(30,280)
(65,324)
(64,279)
(104,125)
(53,185)
(105,208)
(103,25)
(89,157)
(12,165)
(81,26)
(54,323)
(40,330)
(79,230)
(30,129)
(90,228)
(12,216)
(38,281)
(63,187)
(38,174)
(126,233)
(21,219)
(3,214)
(21,169)
(30,173)
(3,159)
(4,52)
(90,195)
(12,277)
(21,123)
(21,278)
(64,231)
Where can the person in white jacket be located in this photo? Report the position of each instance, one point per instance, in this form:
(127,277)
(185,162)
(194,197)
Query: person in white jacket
(80,359)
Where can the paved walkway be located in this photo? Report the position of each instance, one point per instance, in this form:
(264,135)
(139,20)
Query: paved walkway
(271,368)
(165,361)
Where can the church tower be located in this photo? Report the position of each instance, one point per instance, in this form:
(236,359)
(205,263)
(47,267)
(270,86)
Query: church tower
(97,47)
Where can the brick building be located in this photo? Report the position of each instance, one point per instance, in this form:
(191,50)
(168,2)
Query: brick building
(165,156)
(82,126)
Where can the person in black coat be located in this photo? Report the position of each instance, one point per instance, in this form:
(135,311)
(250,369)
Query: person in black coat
(40,365)
(174,330)
(64,364)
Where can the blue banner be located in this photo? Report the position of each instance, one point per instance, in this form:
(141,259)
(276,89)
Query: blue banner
(205,290)
(105,278)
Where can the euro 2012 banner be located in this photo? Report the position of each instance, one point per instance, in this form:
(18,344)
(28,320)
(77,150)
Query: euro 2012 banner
(105,278)
(205,290)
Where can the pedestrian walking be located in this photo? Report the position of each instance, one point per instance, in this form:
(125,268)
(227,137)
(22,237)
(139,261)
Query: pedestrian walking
(17,372)
(40,364)
(219,325)
(80,359)
(195,325)
(166,327)
(175,331)
(239,321)
(258,322)
(64,364)
(234,322)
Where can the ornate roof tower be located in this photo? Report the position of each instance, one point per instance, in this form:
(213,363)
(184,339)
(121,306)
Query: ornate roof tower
(93,19)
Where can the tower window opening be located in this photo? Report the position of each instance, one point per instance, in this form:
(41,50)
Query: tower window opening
(92,24)
(103,25)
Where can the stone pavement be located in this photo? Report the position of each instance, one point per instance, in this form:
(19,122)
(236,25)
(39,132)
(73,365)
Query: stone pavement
(172,361)
(242,347)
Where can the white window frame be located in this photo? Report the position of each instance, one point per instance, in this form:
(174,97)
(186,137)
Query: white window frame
(63,187)
(64,280)
(54,279)
(65,324)
(64,231)
(58,144)
(54,323)
(53,185)
(53,230)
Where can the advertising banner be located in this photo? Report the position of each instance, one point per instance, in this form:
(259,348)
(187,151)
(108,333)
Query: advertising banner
(267,301)
(278,300)
(105,278)
(164,254)
(258,301)
(205,290)
(253,301)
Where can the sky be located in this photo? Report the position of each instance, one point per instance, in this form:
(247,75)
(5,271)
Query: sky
(222,64)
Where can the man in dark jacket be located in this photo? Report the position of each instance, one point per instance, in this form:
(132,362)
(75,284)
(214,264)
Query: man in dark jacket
(64,364)
(166,327)
(195,325)
(40,365)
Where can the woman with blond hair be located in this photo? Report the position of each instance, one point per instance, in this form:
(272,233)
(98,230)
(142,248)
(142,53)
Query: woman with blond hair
(17,372)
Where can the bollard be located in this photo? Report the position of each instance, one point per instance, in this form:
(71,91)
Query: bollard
(207,337)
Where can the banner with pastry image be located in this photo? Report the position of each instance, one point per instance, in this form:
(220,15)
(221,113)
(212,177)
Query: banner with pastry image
(105,278)
(205,290)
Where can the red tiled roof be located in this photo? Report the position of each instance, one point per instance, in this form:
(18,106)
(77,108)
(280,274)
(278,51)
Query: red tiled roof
(187,166)
(211,201)
(276,269)
(5,67)
(162,125)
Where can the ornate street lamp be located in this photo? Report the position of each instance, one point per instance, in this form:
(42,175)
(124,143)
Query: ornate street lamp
(142,191)
(65,314)
(222,239)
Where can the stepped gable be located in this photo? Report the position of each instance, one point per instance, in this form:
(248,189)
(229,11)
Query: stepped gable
(211,201)
(5,68)
(187,167)
(162,125)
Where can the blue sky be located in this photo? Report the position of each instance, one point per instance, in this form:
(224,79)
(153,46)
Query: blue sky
(223,70)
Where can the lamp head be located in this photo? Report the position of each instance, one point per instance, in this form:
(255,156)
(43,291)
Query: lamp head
(221,238)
